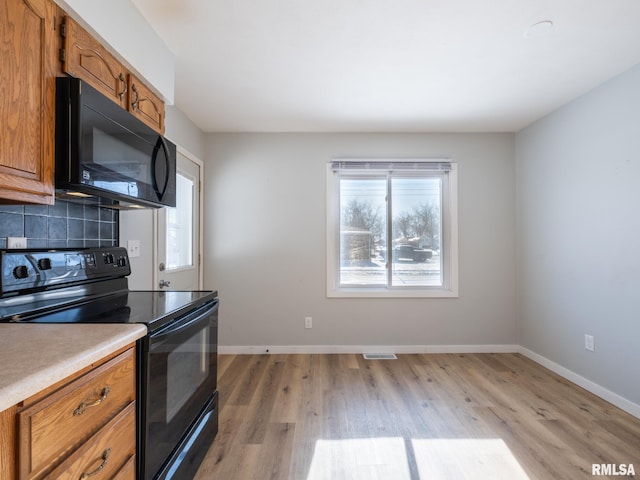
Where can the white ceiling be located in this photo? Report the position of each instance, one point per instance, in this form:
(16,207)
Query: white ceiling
(388,65)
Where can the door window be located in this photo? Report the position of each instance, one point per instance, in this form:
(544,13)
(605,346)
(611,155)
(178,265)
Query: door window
(180,225)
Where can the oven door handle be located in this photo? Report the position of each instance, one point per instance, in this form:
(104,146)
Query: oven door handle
(190,320)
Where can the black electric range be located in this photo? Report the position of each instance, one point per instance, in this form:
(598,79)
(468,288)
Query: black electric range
(177,401)
(84,286)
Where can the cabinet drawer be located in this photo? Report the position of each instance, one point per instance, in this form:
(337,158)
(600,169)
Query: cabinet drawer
(58,424)
(128,472)
(105,454)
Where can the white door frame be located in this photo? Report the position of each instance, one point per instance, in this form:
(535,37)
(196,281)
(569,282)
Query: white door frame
(156,276)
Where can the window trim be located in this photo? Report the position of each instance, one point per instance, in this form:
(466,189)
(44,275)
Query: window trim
(449,289)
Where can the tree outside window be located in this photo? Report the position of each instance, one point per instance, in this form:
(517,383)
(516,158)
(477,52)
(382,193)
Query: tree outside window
(395,228)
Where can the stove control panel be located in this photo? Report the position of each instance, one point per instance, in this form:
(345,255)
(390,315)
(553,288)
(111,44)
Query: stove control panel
(38,269)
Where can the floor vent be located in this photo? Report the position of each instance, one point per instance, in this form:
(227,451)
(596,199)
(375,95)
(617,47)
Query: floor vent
(379,356)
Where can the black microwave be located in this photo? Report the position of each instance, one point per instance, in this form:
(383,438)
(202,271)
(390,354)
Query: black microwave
(104,152)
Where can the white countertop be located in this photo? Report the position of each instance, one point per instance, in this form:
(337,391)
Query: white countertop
(35,356)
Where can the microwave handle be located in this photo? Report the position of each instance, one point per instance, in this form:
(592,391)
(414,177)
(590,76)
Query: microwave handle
(160,144)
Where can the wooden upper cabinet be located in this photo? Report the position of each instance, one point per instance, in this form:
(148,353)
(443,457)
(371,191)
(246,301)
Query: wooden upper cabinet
(27,102)
(145,105)
(85,58)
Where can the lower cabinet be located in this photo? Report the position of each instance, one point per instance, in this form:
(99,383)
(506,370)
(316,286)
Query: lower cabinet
(81,428)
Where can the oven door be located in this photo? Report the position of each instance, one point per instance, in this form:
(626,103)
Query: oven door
(178,370)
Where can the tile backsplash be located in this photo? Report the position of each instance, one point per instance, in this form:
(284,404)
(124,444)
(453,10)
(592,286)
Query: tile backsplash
(65,224)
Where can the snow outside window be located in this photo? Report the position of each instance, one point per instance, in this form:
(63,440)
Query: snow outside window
(392,228)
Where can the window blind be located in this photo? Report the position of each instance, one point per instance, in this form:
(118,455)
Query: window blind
(391,165)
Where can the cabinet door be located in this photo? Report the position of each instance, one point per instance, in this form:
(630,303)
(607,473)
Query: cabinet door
(146,105)
(85,58)
(7,436)
(27,109)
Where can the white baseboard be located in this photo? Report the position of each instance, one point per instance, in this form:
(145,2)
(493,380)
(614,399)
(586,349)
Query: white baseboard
(286,349)
(613,398)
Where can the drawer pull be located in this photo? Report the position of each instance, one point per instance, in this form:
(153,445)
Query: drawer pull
(84,405)
(105,458)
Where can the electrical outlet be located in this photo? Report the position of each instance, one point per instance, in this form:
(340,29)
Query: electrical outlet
(589,343)
(133,248)
(16,242)
(308,322)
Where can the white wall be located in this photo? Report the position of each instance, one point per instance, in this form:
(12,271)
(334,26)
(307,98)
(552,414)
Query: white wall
(265,243)
(183,132)
(578,188)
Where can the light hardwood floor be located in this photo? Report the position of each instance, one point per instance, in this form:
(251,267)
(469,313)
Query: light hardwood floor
(454,416)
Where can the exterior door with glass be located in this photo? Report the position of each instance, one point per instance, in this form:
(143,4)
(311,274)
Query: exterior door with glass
(178,262)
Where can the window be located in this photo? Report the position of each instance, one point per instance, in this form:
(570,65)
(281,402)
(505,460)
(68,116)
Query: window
(180,225)
(392,229)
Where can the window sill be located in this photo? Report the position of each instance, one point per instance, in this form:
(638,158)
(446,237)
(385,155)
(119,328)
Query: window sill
(356,292)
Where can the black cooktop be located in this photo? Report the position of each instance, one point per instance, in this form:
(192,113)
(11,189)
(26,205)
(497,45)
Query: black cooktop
(152,308)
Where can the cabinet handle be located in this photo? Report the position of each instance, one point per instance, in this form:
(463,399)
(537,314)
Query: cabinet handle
(105,458)
(134,104)
(84,405)
(124,86)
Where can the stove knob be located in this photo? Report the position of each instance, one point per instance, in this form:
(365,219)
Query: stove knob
(21,271)
(44,264)
(122,262)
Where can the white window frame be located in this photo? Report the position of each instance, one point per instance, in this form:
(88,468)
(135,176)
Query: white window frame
(449,245)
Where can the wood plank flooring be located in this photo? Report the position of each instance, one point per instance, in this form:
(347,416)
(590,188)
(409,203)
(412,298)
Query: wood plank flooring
(454,416)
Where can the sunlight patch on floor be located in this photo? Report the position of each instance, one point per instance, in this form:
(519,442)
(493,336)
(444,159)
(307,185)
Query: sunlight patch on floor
(435,458)
(477,458)
(359,459)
